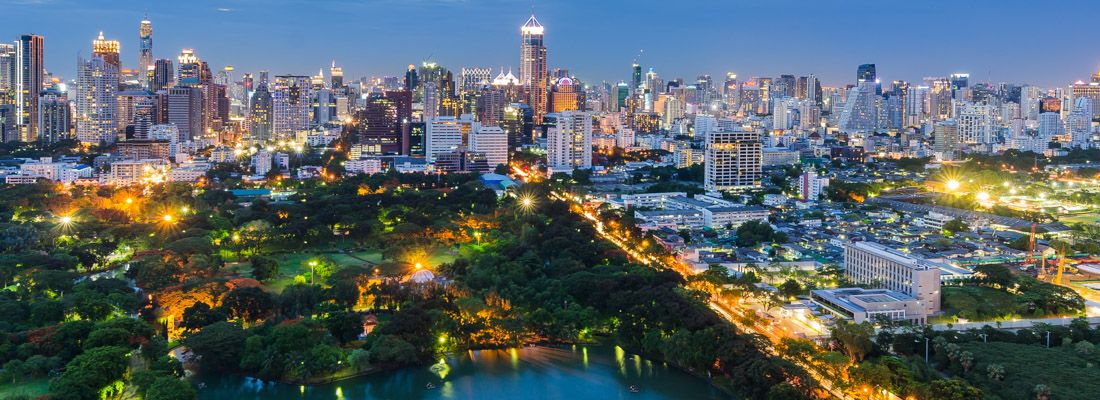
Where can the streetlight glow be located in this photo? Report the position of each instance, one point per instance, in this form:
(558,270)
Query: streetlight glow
(952,185)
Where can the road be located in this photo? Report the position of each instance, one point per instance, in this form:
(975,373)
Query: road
(729,312)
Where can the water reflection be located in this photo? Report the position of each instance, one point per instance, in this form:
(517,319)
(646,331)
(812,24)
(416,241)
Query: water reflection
(534,372)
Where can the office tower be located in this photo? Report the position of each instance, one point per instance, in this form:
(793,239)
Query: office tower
(915,102)
(1050,124)
(532,67)
(162,76)
(491,142)
(518,125)
(185,111)
(490,105)
(324,106)
(959,82)
(290,105)
(567,95)
(192,70)
(145,51)
(336,74)
(945,139)
(54,117)
(569,142)
(1090,91)
(448,134)
(975,123)
(30,74)
(784,86)
(382,122)
(8,64)
(939,98)
(860,113)
(418,135)
(732,160)
(866,73)
(472,79)
(106,49)
(635,78)
(260,111)
(1079,123)
(96,101)
(412,82)
(145,116)
(869,263)
(430,101)
(704,125)
(1029,102)
(809,115)
(127,103)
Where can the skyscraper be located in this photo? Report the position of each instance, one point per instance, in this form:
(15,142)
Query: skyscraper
(259,116)
(30,73)
(532,66)
(336,74)
(107,49)
(96,101)
(866,73)
(162,75)
(290,105)
(145,51)
(8,64)
(185,111)
(569,142)
(54,116)
(732,160)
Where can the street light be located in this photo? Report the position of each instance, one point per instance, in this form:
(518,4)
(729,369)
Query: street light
(952,185)
(312,264)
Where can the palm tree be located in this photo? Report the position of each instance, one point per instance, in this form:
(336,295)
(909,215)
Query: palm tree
(966,358)
(1042,392)
(996,372)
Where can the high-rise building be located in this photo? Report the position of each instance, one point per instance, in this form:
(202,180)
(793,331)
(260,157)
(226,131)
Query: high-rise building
(259,116)
(860,113)
(336,75)
(532,67)
(418,134)
(491,142)
(489,106)
(96,101)
(959,82)
(866,73)
(8,64)
(107,49)
(569,142)
(732,160)
(290,105)
(162,75)
(145,51)
(567,95)
(30,75)
(127,103)
(939,98)
(1079,123)
(382,123)
(472,79)
(185,111)
(518,124)
(1090,91)
(810,185)
(448,134)
(192,70)
(945,139)
(54,117)
(975,122)
(412,82)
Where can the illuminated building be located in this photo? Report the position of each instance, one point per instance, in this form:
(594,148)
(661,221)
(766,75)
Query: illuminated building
(290,100)
(567,95)
(472,79)
(1050,104)
(382,123)
(30,73)
(162,75)
(1090,91)
(732,160)
(489,106)
(959,82)
(939,98)
(336,75)
(185,111)
(569,142)
(518,124)
(127,105)
(96,103)
(418,132)
(192,70)
(1079,123)
(975,123)
(54,117)
(145,51)
(259,116)
(8,64)
(860,113)
(411,80)
(492,142)
(447,134)
(1050,125)
(532,67)
(945,139)
(107,49)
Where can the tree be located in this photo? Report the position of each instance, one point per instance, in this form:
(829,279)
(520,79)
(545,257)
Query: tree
(344,326)
(751,233)
(199,315)
(248,304)
(966,359)
(90,373)
(996,275)
(170,388)
(790,288)
(390,349)
(953,389)
(1042,392)
(264,268)
(854,338)
(955,226)
(218,346)
(995,372)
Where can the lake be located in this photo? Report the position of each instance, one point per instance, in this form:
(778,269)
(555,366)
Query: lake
(573,373)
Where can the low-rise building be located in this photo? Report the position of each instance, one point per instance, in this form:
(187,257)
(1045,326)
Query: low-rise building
(866,305)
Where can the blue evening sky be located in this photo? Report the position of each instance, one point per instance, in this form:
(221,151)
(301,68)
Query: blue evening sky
(1052,42)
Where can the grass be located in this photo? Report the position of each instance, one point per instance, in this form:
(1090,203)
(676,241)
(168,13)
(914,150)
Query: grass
(1069,375)
(32,388)
(294,264)
(975,303)
(1089,218)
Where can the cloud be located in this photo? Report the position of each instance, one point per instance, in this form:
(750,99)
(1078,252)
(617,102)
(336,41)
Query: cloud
(223,9)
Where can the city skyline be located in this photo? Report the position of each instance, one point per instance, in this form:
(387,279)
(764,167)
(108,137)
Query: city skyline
(247,35)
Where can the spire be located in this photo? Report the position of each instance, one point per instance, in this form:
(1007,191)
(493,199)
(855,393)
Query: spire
(101,35)
(532,26)
(334,63)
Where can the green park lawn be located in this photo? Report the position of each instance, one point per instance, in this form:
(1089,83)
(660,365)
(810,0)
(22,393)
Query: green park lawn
(294,264)
(1069,375)
(1090,218)
(31,389)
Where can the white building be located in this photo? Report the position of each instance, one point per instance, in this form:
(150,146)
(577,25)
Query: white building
(368,166)
(447,134)
(96,101)
(775,156)
(732,160)
(492,142)
(569,142)
(883,267)
(975,122)
(291,102)
(810,186)
(1050,125)
(261,162)
(704,124)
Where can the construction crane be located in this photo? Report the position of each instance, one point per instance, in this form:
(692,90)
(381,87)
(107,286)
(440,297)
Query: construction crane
(1031,252)
(1061,267)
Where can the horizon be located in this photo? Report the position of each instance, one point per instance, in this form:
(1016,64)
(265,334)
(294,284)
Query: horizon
(252,35)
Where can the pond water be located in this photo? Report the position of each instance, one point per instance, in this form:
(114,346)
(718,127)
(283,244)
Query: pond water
(573,373)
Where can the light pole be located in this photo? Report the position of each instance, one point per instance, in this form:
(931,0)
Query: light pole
(312,264)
